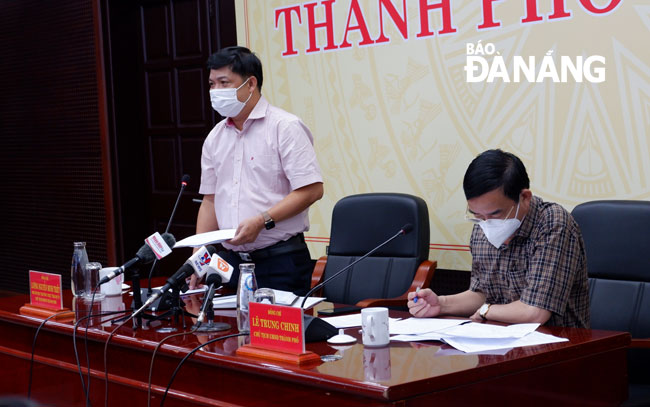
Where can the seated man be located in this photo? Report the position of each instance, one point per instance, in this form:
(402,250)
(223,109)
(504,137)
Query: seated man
(528,257)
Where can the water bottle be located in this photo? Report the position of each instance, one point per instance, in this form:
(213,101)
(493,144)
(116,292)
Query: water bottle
(245,290)
(78,269)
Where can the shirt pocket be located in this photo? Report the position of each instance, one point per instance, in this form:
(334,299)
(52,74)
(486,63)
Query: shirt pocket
(265,171)
(517,281)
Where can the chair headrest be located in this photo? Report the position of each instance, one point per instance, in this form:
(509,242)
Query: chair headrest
(361,222)
(617,238)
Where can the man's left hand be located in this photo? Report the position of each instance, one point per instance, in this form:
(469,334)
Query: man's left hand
(248,230)
(477,317)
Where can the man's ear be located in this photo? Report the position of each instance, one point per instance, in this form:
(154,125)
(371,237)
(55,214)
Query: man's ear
(252,83)
(524,199)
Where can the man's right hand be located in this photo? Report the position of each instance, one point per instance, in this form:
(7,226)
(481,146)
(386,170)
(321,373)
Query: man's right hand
(195,282)
(428,304)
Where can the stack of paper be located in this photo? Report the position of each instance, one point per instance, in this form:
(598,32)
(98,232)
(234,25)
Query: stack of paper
(352,320)
(230,301)
(469,336)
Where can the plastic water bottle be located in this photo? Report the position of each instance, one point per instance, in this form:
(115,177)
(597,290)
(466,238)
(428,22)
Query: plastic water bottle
(245,290)
(78,269)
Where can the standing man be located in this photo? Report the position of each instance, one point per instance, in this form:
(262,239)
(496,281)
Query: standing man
(528,257)
(259,174)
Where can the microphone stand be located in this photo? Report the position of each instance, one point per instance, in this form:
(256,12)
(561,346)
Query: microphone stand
(405,229)
(143,296)
(184,182)
(175,310)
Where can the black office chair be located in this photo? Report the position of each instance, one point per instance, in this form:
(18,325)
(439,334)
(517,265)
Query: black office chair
(359,224)
(617,241)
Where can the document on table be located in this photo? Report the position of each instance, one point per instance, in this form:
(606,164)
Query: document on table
(284,297)
(352,320)
(472,337)
(202,239)
(415,326)
(188,292)
(481,331)
(230,301)
(486,344)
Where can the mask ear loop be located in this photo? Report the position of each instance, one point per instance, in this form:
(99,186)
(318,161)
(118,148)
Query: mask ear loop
(249,95)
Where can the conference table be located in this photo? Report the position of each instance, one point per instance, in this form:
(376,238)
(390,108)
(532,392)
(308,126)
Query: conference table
(589,369)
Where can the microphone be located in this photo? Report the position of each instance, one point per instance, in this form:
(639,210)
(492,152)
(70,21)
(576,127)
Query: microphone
(196,264)
(403,231)
(213,281)
(184,180)
(144,256)
(221,267)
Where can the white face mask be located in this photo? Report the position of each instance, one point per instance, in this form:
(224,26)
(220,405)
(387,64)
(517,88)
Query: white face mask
(225,101)
(498,231)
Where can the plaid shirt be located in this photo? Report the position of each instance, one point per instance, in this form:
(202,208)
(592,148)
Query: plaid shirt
(543,265)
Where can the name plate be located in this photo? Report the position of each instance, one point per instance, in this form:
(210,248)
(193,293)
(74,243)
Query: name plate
(45,290)
(276,327)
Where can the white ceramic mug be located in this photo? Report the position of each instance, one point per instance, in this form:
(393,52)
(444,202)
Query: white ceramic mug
(113,287)
(374,326)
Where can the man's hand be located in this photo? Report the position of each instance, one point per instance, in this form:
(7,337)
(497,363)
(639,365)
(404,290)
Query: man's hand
(248,230)
(428,304)
(194,282)
(477,317)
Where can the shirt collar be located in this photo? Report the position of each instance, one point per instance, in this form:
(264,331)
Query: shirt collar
(258,112)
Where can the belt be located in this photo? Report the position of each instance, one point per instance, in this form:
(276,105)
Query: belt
(290,245)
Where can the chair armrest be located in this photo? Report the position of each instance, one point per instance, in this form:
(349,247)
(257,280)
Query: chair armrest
(422,279)
(317,274)
(643,343)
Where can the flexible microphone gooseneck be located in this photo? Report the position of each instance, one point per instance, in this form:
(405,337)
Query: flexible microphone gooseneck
(144,256)
(189,268)
(184,181)
(213,281)
(403,231)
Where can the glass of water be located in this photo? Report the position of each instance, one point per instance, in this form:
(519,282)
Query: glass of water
(92,279)
(264,296)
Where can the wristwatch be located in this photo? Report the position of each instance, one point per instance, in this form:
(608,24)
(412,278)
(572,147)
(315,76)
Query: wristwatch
(484,310)
(269,223)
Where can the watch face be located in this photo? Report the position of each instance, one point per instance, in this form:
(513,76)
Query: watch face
(483,309)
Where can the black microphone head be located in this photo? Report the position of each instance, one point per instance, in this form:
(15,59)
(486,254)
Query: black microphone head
(211,249)
(169,239)
(185,179)
(408,228)
(145,254)
(213,278)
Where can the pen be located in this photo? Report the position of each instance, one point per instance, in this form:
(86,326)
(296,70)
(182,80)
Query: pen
(415,300)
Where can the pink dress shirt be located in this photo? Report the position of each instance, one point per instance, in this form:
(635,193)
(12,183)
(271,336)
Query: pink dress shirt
(251,170)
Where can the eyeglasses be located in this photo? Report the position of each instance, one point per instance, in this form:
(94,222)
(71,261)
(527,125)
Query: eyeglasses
(469,216)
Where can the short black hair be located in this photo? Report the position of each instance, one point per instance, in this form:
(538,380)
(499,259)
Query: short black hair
(494,169)
(240,60)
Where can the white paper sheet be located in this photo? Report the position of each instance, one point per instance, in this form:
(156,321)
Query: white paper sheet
(483,331)
(413,326)
(225,302)
(203,239)
(284,297)
(352,320)
(483,344)
(429,336)
(455,352)
(230,301)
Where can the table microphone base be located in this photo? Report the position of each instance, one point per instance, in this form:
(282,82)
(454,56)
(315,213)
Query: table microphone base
(213,327)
